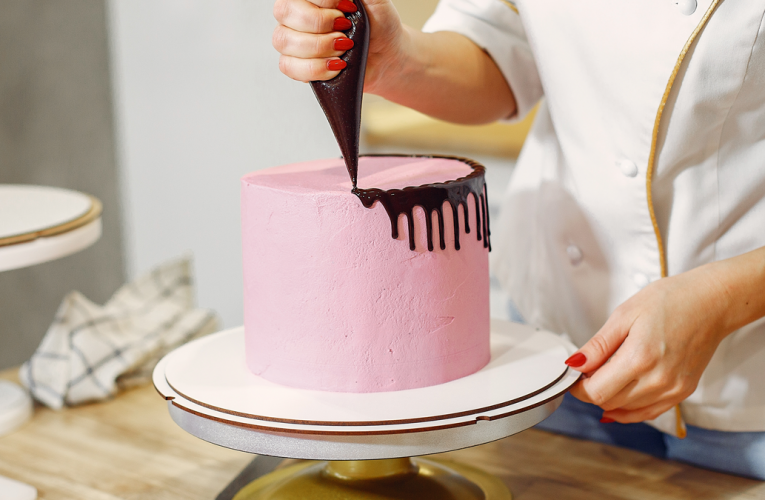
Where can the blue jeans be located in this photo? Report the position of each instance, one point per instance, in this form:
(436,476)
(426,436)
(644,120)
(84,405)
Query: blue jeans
(739,453)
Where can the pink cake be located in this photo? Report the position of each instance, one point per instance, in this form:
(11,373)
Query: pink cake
(332,302)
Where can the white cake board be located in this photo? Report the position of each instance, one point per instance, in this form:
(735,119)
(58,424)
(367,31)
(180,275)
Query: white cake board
(38,224)
(213,396)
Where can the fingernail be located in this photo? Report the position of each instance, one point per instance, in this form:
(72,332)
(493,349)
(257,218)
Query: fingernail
(606,420)
(576,360)
(336,64)
(347,6)
(341,24)
(342,44)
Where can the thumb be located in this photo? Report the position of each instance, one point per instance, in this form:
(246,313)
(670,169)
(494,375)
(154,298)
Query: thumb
(601,347)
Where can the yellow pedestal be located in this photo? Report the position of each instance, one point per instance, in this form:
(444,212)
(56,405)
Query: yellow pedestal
(393,479)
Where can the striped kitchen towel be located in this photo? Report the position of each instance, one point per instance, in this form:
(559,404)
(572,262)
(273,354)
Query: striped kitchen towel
(90,351)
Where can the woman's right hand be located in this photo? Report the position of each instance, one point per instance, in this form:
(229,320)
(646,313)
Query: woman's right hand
(443,74)
(310,38)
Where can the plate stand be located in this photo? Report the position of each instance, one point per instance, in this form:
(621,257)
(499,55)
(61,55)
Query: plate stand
(393,478)
(38,224)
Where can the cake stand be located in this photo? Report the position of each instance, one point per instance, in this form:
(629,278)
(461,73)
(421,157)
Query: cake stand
(360,444)
(38,224)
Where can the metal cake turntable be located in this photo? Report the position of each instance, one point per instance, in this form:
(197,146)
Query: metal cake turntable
(364,441)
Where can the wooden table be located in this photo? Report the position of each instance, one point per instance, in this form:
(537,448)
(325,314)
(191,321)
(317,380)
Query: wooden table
(128,448)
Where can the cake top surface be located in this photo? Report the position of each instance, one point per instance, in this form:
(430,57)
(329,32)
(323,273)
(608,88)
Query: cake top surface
(382,172)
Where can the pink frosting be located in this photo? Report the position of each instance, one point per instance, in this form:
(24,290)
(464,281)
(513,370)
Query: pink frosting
(333,303)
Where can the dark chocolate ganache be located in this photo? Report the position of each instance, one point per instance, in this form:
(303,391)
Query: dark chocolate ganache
(432,197)
(341,98)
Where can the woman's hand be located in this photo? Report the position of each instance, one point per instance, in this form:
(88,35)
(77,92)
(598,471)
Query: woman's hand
(310,38)
(444,75)
(650,354)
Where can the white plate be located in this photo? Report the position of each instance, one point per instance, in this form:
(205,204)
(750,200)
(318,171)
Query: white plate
(29,209)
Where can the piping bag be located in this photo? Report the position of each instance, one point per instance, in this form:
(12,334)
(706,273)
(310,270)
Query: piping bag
(340,97)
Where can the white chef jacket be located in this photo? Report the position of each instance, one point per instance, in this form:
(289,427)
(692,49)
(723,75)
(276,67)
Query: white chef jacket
(646,159)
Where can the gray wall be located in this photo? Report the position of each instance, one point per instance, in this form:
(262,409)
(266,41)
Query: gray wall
(56,129)
(200,102)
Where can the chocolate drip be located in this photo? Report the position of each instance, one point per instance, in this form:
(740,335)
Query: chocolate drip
(340,98)
(431,198)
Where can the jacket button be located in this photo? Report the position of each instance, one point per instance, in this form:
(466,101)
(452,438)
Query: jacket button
(628,168)
(686,7)
(641,280)
(574,254)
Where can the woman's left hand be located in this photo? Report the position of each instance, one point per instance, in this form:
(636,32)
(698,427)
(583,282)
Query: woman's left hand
(650,354)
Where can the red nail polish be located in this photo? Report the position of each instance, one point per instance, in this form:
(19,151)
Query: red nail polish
(606,420)
(342,44)
(576,360)
(347,6)
(341,24)
(336,64)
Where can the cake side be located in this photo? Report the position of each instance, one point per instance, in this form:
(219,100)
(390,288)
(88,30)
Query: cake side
(333,303)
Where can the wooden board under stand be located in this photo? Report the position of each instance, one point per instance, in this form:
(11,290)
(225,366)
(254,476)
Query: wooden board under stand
(39,224)
(212,395)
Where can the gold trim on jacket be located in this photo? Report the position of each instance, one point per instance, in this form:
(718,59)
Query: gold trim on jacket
(681,430)
(511,5)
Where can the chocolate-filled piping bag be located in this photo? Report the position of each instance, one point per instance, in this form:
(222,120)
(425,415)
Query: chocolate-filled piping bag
(340,97)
